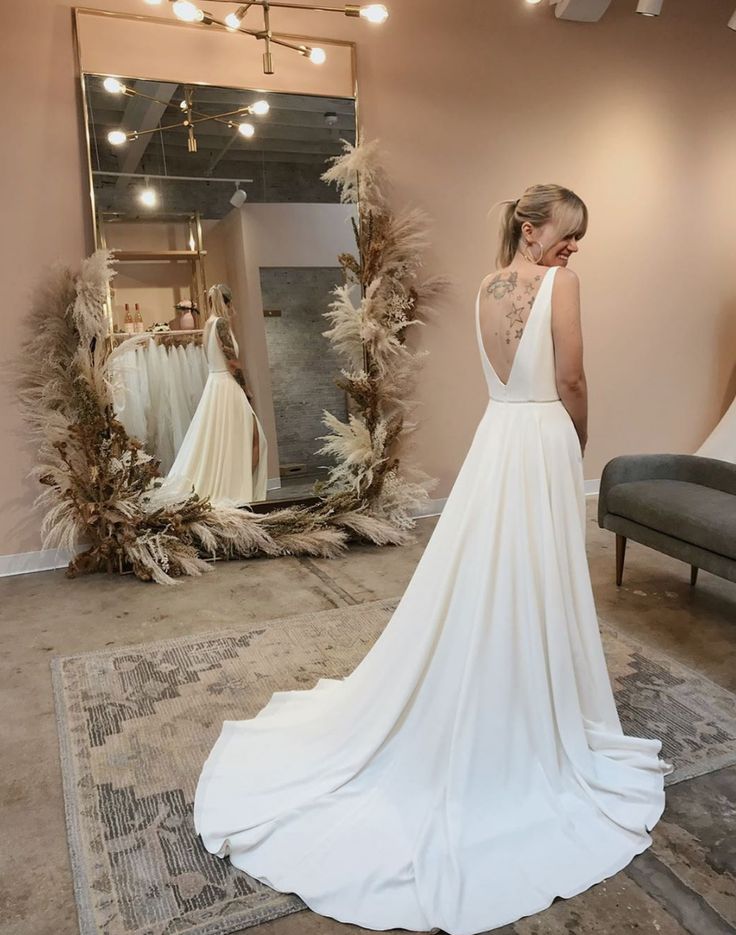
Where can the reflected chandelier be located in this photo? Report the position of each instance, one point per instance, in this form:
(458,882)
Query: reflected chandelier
(190,116)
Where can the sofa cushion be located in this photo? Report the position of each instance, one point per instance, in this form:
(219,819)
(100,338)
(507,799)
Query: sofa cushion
(690,512)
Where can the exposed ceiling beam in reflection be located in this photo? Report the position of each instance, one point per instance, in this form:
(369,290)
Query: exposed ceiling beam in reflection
(143,115)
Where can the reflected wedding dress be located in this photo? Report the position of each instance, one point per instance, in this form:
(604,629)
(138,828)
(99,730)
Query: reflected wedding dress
(472,767)
(216,454)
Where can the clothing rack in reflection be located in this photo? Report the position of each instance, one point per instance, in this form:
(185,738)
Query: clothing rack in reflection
(167,338)
(156,387)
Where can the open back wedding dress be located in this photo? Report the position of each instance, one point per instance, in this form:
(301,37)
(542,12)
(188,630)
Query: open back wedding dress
(472,767)
(216,455)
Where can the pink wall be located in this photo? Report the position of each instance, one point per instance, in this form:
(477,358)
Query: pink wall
(473,103)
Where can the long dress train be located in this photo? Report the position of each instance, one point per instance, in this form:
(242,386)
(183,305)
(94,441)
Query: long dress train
(472,767)
(216,455)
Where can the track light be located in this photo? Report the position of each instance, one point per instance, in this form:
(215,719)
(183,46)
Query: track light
(239,197)
(649,7)
(246,129)
(260,107)
(317,55)
(117,137)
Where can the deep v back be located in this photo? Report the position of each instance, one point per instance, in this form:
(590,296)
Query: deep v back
(532,374)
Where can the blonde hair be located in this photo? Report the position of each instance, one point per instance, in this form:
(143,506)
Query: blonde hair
(538,205)
(220,300)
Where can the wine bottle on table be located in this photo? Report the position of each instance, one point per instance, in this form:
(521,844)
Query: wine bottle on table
(139,326)
(129,324)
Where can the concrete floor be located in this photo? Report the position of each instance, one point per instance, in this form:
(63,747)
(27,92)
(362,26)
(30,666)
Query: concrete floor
(685,882)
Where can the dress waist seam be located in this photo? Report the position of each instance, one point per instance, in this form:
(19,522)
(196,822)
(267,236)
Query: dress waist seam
(496,399)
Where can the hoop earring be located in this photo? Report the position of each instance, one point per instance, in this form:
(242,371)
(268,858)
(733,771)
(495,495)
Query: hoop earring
(541,253)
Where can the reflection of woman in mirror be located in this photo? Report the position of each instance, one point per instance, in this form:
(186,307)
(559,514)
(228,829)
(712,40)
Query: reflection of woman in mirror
(224,453)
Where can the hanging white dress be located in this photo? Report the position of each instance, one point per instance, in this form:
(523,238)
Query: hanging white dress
(472,767)
(721,443)
(216,455)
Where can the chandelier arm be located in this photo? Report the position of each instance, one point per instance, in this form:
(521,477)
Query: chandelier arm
(291,6)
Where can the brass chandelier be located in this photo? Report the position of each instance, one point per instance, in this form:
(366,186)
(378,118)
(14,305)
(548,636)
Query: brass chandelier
(189,12)
(190,116)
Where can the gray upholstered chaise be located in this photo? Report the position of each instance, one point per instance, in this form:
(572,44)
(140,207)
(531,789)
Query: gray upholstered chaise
(682,505)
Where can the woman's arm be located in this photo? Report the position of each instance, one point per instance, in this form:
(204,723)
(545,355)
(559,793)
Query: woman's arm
(225,337)
(567,337)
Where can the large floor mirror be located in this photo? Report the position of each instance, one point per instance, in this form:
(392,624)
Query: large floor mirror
(195,187)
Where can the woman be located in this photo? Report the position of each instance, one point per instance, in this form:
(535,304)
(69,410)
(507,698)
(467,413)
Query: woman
(472,767)
(223,454)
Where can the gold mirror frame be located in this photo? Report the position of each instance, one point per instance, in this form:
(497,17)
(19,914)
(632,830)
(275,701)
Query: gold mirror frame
(345,80)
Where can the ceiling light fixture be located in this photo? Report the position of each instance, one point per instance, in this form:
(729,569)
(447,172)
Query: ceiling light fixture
(649,7)
(191,116)
(189,12)
(113,86)
(238,197)
(147,196)
(732,21)
(316,55)
(233,20)
(377,12)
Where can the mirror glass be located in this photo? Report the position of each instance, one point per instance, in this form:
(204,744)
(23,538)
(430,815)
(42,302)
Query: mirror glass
(227,242)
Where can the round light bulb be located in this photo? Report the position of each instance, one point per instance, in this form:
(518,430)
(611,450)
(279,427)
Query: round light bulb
(113,86)
(377,12)
(246,129)
(117,137)
(232,21)
(260,107)
(148,197)
(185,10)
(317,56)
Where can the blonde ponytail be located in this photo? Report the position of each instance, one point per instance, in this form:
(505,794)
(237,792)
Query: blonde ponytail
(538,205)
(220,300)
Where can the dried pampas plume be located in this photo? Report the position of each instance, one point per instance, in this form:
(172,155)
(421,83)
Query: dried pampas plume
(383,296)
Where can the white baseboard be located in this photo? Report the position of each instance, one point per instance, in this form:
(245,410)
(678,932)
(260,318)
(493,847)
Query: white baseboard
(47,559)
(592,487)
(25,562)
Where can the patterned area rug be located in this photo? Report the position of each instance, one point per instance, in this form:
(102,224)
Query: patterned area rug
(136,724)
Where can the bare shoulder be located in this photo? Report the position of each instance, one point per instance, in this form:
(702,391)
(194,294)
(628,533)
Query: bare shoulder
(567,278)
(565,293)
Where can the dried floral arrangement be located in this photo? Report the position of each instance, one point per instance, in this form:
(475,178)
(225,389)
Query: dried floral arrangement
(103,491)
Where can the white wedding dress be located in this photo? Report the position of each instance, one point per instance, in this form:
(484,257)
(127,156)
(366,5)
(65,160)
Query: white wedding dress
(472,767)
(216,454)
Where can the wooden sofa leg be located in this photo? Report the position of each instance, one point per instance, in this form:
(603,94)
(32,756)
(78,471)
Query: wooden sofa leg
(620,552)
(693,574)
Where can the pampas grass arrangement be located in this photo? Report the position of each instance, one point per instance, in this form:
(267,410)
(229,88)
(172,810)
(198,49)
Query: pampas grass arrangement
(371,334)
(103,490)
